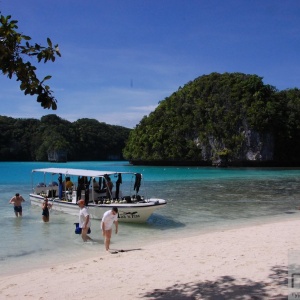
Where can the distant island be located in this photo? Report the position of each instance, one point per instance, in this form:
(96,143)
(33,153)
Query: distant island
(52,136)
(230,119)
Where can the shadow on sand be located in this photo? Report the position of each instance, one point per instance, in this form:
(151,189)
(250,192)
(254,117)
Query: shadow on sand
(115,251)
(226,288)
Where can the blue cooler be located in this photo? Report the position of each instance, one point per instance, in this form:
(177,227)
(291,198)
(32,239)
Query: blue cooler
(78,229)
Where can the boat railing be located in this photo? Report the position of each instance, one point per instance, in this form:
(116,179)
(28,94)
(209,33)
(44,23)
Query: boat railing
(123,199)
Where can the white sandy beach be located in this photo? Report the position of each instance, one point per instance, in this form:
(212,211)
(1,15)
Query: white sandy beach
(244,263)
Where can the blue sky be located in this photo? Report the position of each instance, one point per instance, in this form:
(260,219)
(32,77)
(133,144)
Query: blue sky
(121,57)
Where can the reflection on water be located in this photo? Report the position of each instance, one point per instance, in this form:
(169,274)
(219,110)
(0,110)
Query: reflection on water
(17,226)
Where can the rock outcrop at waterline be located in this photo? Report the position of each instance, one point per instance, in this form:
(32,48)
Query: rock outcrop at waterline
(257,148)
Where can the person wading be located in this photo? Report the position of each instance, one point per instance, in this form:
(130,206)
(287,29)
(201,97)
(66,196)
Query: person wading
(17,202)
(110,217)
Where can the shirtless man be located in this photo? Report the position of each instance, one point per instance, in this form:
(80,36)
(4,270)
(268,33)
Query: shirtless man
(17,202)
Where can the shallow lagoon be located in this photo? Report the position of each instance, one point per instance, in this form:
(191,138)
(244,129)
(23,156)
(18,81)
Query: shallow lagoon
(199,199)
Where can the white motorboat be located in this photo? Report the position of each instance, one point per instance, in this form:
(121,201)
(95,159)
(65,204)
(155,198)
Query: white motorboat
(67,186)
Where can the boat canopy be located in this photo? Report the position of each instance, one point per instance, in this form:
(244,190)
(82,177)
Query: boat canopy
(77,172)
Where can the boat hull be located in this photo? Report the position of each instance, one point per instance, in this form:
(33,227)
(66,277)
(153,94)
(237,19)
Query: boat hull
(128,212)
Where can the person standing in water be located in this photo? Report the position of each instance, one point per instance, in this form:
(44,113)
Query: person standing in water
(45,214)
(110,217)
(84,220)
(17,202)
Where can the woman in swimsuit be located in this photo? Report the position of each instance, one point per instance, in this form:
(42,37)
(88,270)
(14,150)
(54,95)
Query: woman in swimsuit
(45,214)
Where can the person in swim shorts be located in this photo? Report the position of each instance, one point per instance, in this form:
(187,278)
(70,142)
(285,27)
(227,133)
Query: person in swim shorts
(17,202)
(109,218)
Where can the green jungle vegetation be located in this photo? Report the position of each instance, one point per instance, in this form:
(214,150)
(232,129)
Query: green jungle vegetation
(84,139)
(219,107)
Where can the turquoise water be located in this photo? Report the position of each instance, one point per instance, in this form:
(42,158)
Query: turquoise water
(199,200)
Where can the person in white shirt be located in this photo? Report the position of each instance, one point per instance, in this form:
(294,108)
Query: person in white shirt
(84,220)
(110,217)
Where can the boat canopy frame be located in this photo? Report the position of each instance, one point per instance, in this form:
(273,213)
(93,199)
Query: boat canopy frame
(87,173)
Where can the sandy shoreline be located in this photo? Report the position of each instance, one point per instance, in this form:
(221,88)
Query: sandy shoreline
(244,263)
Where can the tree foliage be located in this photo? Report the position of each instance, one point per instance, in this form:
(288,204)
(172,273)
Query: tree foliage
(84,139)
(218,107)
(15,50)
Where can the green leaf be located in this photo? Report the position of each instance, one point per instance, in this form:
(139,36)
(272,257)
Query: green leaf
(49,42)
(47,77)
(26,37)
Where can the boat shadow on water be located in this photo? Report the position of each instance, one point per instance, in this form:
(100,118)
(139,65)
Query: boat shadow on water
(159,222)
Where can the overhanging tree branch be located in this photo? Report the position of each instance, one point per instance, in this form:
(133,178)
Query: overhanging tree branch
(14,48)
